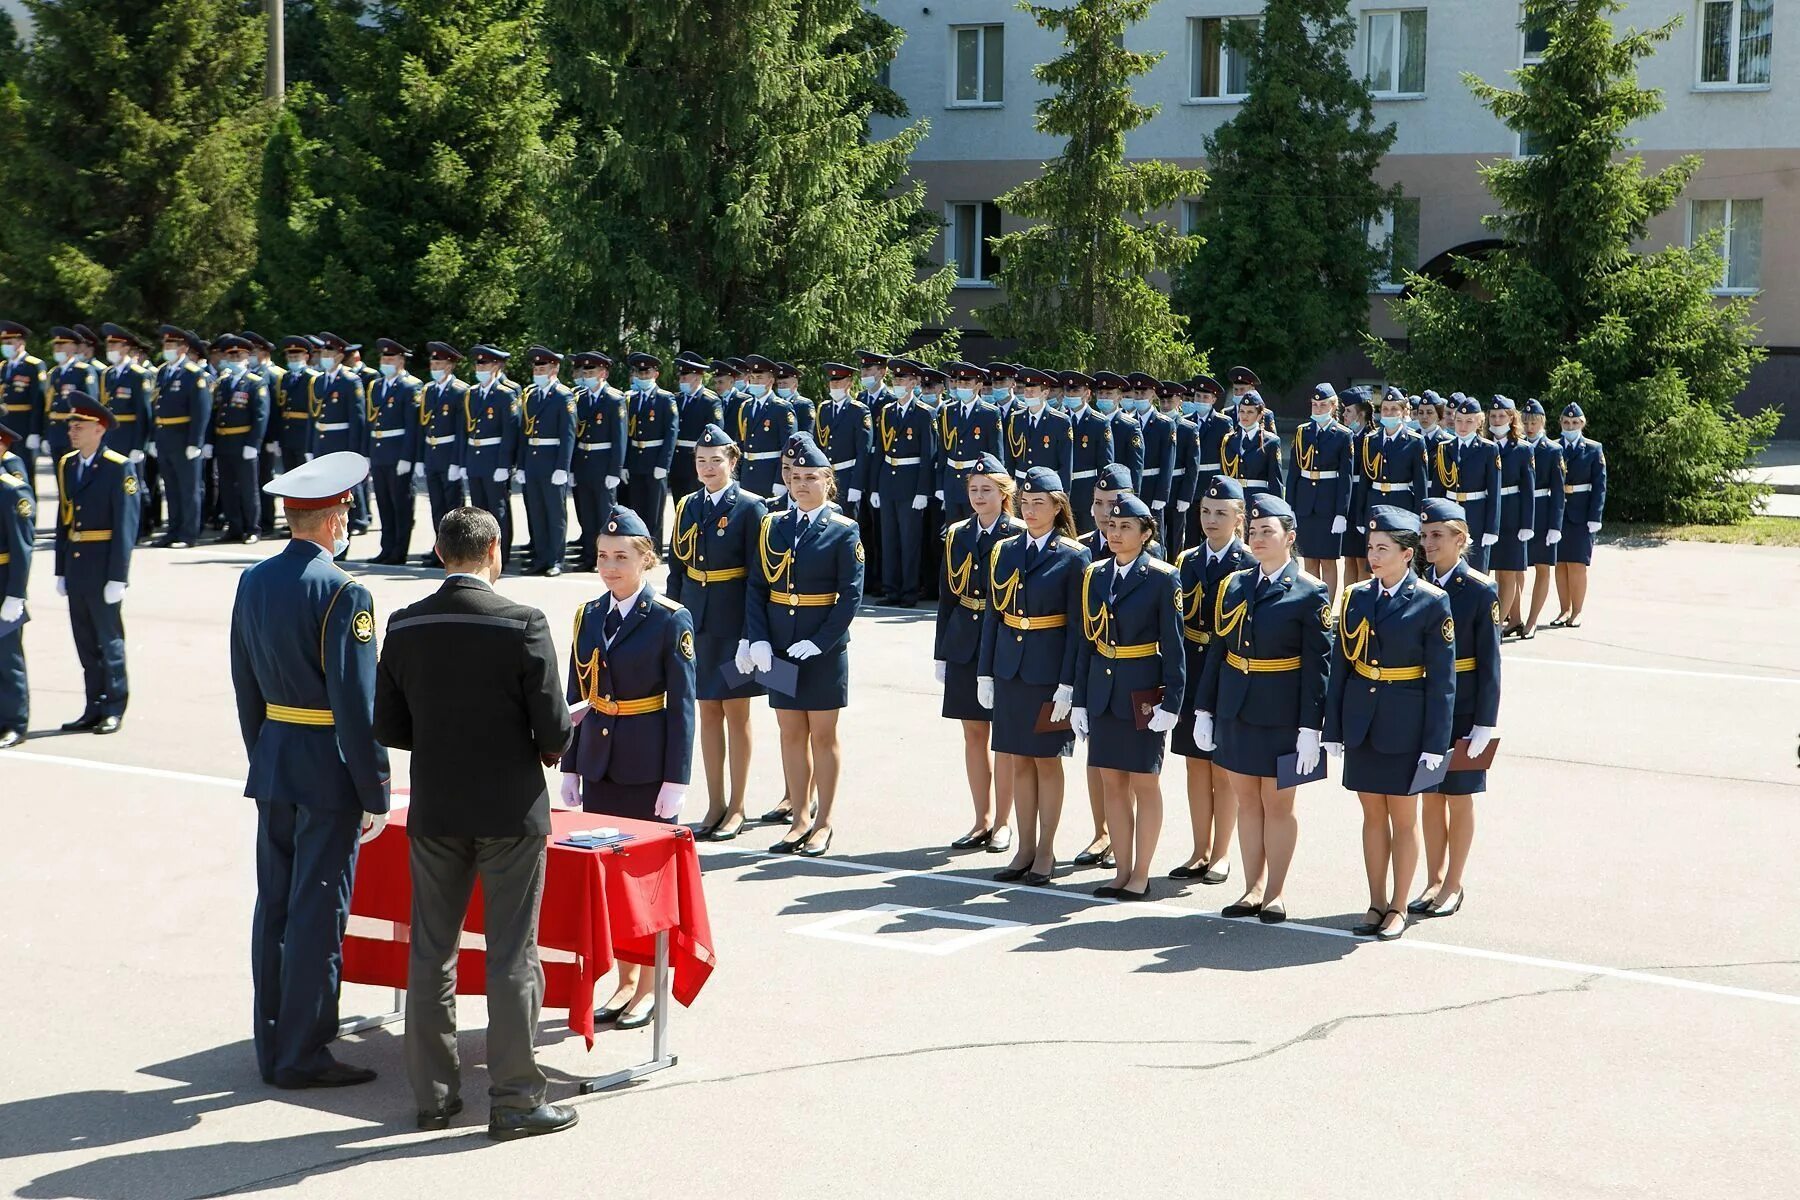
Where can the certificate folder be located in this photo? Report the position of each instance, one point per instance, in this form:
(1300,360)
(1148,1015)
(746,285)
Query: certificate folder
(1460,760)
(1287,771)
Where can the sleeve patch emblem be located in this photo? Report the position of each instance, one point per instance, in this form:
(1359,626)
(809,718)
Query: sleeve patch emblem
(362,626)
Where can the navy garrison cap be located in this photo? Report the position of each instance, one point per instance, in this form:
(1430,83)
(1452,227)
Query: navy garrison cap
(443,350)
(1431,396)
(622,522)
(1224,487)
(1114,477)
(1041,481)
(1440,509)
(1267,504)
(1466,406)
(802,451)
(714,436)
(1390,392)
(325,482)
(987,464)
(1251,398)
(1503,404)
(1324,391)
(1572,409)
(1385,518)
(1129,505)
(1534,407)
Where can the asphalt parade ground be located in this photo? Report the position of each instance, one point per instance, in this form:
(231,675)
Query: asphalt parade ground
(1614,1013)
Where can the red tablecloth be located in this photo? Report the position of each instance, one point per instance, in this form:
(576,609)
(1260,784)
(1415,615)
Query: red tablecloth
(599,905)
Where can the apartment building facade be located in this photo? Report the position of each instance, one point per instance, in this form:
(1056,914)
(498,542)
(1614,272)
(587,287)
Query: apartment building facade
(1730,78)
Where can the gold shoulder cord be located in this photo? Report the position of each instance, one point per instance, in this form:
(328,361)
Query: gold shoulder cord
(1449,475)
(1190,603)
(1353,643)
(958,576)
(1231,465)
(683,545)
(587,673)
(315,404)
(1371,466)
(469,412)
(784,562)
(530,429)
(1015,443)
(1001,592)
(1226,622)
(1304,455)
(1093,626)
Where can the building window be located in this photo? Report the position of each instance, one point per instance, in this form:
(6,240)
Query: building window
(1741,243)
(979,74)
(1395,235)
(1193,212)
(1735,37)
(1396,42)
(1217,69)
(972,230)
(1537,42)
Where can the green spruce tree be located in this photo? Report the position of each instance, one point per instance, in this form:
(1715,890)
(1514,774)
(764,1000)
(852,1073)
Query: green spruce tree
(1283,276)
(1569,309)
(1077,284)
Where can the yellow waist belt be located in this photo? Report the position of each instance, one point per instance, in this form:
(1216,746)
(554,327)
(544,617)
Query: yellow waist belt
(1465,664)
(974,602)
(18,408)
(720,576)
(4,559)
(1141,650)
(125,418)
(1199,637)
(804,599)
(90,535)
(1389,674)
(630,708)
(227,430)
(173,420)
(289,715)
(1261,665)
(1047,621)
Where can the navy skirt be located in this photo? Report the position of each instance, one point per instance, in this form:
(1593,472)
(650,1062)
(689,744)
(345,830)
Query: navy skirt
(1016,708)
(824,683)
(1462,783)
(1313,537)
(1251,749)
(1511,554)
(633,801)
(1538,551)
(711,654)
(960,703)
(1577,545)
(1181,738)
(1367,770)
(1117,744)
(1477,554)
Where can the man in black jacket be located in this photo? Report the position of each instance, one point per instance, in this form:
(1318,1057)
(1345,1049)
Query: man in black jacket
(468,683)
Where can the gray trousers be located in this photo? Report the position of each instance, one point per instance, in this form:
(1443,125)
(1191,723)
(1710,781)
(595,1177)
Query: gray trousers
(444,870)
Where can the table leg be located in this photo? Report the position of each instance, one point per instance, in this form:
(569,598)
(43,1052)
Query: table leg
(660,1058)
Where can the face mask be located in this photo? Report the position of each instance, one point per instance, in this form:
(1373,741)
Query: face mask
(640,385)
(1001,394)
(437,374)
(327,362)
(1104,406)
(756,390)
(1355,426)
(170,354)
(340,546)
(1500,427)
(1034,403)
(926,397)
(9,351)
(787,393)
(389,370)
(483,376)
(237,368)
(1189,407)
(962,393)
(1144,406)
(61,356)
(871,382)
(686,386)
(838,393)
(1250,425)
(1321,419)
(1571,436)
(544,379)
(115,357)
(1390,423)
(296,364)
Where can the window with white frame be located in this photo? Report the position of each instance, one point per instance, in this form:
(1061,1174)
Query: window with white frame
(1192,213)
(1396,48)
(1217,68)
(978,67)
(1740,244)
(1735,41)
(969,241)
(1537,42)
(1395,236)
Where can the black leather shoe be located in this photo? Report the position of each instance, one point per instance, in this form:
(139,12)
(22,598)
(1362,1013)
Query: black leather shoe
(1273,913)
(1088,858)
(1107,892)
(1421,904)
(107,725)
(439,1118)
(972,841)
(1128,895)
(1368,928)
(82,723)
(1035,879)
(1186,872)
(814,849)
(10,738)
(508,1123)
(1448,910)
(1216,874)
(638,1020)
(719,833)
(1011,874)
(776,815)
(1241,909)
(1108,861)
(337,1075)
(789,845)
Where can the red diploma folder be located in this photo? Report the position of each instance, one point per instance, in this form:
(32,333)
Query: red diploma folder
(1460,760)
(1144,705)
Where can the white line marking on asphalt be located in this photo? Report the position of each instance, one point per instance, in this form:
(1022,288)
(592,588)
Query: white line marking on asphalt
(1565,662)
(128,769)
(832,927)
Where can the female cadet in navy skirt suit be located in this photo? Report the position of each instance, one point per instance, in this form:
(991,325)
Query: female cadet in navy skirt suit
(1028,661)
(1466,469)
(1584,507)
(1517,480)
(1318,487)
(1262,696)
(1547,516)
(805,586)
(962,599)
(632,664)
(1251,454)
(1388,711)
(714,541)
(1358,418)
(1201,572)
(1129,650)
(1449,812)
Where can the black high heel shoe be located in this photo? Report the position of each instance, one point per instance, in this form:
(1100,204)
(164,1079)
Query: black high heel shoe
(1449,910)
(972,841)
(1368,928)
(1011,874)
(1384,934)
(1422,904)
(790,844)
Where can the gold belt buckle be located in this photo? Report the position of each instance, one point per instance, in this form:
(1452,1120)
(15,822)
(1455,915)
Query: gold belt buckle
(1024,622)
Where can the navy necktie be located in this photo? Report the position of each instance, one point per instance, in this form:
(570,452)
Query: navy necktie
(1262,586)
(1031,553)
(610,627)
(1381,598)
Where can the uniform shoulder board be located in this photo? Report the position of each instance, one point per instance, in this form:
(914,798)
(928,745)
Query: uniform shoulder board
(1157,564)
(839,518)
(137,368)
(32,360)
(10,480)
(1096,565)
(1069,543)
(746,494)
(1185,555)
(114,456)
(1478,577)
(68,455)
(956,525)
(1430,588)
(671,605)
(1306,578)
(191,365)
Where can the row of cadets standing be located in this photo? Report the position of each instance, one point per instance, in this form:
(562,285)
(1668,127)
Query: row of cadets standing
(396,448)
(239,420)
(700,407)
(72,373)
(337,399)
(600,446)
(653,421)
(1466,468)
(905,454)
(1318,486)
(967,429)
(1091,435)
(491,439)
(547,421)
(845,431)
(761,423)
(1037,435)
(24,394)
(184,402)
(443,421)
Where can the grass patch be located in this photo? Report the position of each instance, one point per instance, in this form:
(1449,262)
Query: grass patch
(1757,531)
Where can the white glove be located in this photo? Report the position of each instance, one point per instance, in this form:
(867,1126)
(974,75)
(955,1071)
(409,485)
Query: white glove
(1339,524)
(612,481)
(661,473)
(62,586)
(940,495)
(853,495)
(668,800)
(874,499)
(1203,730)
(518,475)
(762,655)
(984,690)
(250,453)
(1078,722)
(919,503)
(1593,527)
(802,650)
(743,660)
(11,609)
(1431,762)
(571,790)
(1306,751)
(1335,749)
(778,491)
(403,467)
(1162,720)
(372,825)
(1060,701)
(271,447)
(1489,539)
(1479,737)
(192,452)
(1183,505)
(1552,537)
(31,441)
(558,478)
(205,452)
(309,456)
(1525,535)
(453,473)
(624,476)
(500,474)
(939,667)
(113,592)
(150,449)
(137,456)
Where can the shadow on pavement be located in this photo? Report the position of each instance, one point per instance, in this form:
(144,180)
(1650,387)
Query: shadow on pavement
(1194,943)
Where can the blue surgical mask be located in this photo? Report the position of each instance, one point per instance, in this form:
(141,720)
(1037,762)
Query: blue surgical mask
(340,546)
(327,362)
(1103,405)
(1144,406)
(756,390)
(786,393)
(437,374)
(1413,425)
(1249,426)
(1204,407)
(61,356)
(871,382)
(483,376)
(641,385)
(544,378)
(1321,419)
(1190,408)
(686,386)
(296,364)
(389,370)
(170,354)
(963,393)
(1571,436)
(905,392)
(1033,402)
(1355,426)
(1057,402)
(1002,394)
(1390,423)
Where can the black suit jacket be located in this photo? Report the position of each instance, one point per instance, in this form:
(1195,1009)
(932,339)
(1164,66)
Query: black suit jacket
(468,682)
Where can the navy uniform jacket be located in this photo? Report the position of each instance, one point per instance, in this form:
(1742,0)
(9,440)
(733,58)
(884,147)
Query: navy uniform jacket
(651,422)
(303,661)
(651,656)
(1162,442)
(1214,429)
(1470,475)
(806,414)
(130,390)
(293,427)
(1130,642)
(963,586)
(1415,636)
(1475,606)
(906,452)
(444,420)
(1551,474)
(1094,542)
(845,431)
(546,430)
(1268,659)
(97,521)
(240,413)
(25,395)
(762,429)
(18,529)
(1186,461)
(76,375)
(600,433)
(1049,442)
(1128,446)
(1518,480)
(963,438)
(1028,633)
(698,410)
(1200,581)
(1253,458)
(1318,474)
(394,432)
(1434,437)
(340,420)
(184,402)
(1584,483)
(1393,472)
(1092,434)
(714,550)
(490,428)
(807,592)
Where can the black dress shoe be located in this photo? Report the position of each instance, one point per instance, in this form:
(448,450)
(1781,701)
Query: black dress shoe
(1368,928)
(337,1075)
(1035,879)
(971,841)
(10,738)
(1107,892)
(1216,873)
(82,723)
(439,1118)
(107,725)
(776,815)
(1421,904)
(1385,934)
(1273,913)
(606,1016)
(790,844)
(1108,861)
(1186,872)
(631,1020)
(1090,858)
(718,833)
(1448,910)
(1011,874)
(1001,841)
(814,849)
(508,1123)
(1128,895)
(1241,909)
